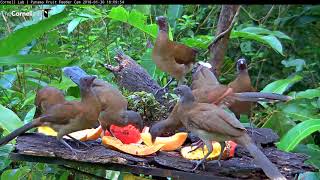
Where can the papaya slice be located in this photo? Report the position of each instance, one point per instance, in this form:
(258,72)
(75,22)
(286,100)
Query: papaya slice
(133,149)
(171,143)
(94,134)
(201,152)
(127,134)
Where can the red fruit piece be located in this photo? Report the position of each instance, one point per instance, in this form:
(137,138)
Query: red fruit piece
(127,134)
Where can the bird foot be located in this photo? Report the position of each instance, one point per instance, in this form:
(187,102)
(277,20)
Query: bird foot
(198,164)
(78,142)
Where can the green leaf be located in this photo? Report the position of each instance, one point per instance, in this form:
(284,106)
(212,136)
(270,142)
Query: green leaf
(308,94)
(309,176)
(279,123)
(144,9)
(312,151)
(9,120)
(268,40)
(299,110)
(20,38)
(29,116)
(298,63)
(295,135)
(174,13)
(274,43)
(74,23)
(4,156)
(35,60)
(119,13)
(280,86)
(147,63)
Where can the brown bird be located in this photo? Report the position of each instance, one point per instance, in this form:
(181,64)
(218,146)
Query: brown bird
(207,89)
(46,98)
(171,57)
(242,83)
(171,124)
(67,117)
(114,107)
(211,123)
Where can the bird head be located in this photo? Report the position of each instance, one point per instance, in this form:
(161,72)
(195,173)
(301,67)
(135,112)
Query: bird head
(182,90)
(162,23)
(156,130)
(241,64)
(87,81)
(132,117)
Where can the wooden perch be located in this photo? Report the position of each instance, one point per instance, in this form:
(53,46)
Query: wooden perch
(218,47)
(40,148)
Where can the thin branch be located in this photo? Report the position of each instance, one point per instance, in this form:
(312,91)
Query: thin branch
(227,30)
(7,24)
(205,20)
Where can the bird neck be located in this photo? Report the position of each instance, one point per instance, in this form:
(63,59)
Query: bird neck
(88,96)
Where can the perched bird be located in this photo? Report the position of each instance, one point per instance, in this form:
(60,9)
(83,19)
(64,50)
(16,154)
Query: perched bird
(66,117)
(114,107)
(46,98)
(113,103)
(242,83)
(211,123)
(170,124)
(171,57)
(207,89)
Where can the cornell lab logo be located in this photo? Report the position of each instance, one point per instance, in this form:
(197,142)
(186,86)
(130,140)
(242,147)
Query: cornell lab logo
(46,12)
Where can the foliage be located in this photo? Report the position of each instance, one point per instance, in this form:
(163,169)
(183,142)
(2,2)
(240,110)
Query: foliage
(281,42)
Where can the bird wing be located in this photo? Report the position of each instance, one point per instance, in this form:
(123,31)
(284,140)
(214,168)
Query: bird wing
(182,53)
(215,120)
(63,113)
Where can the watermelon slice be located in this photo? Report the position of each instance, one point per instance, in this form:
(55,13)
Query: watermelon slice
(127,134)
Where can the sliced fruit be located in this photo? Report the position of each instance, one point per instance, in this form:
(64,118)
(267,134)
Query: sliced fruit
(81,135)
(171,143)
(127,134)
(94,134)
(200,153)
(134,149)
(145,129)
(47,130)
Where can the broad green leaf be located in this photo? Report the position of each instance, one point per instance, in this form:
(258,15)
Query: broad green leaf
(281,35)
(200,41)
(295,135)
(20,38)
(256,30)
(35,60)
(312,151)
(4,155)
(9,120)
(147,62)
(29,116)
(280,86)
(299,110)
(274,43)
(268,40)
(309,176)
(74,23)
(174,12)
(308,94)
(135,19)
(15,174)
(279,123)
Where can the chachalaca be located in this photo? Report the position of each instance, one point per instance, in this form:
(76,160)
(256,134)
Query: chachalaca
(211,123)
(67,117)
(171,57)
(242,83)
(114,107)
(170,124)
(207,89)
(46,98)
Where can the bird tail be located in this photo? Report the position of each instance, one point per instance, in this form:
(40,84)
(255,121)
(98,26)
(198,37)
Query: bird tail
(19,131)
(261,160)
(261,96)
